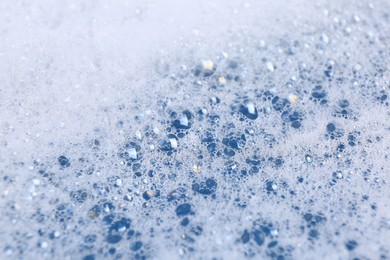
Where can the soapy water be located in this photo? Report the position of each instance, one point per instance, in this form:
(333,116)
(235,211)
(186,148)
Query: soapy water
(211,130)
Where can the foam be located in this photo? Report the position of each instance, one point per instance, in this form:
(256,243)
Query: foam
(116,115)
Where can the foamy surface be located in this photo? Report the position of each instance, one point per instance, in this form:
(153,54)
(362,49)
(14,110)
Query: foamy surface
(202,130)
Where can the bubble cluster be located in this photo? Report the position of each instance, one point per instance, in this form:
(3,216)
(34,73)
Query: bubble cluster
(252,146)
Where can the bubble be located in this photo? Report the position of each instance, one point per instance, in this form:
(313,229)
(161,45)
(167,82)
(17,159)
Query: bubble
(89,257)
(184,121)
(296,124)
(63,161)
(271,186)
(136,246)
(168,144)
(351,245)
(249,110)
(258,238)
(113,238)
(308,158)
(185,222)
(330,127)
(183,209)
(313,234)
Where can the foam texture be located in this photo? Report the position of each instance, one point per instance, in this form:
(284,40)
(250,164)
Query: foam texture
(205,130)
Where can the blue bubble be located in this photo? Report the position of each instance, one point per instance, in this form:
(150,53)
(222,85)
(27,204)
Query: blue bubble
(351,245)
(183,209)
(63,161)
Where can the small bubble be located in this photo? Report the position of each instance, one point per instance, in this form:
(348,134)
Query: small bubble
(63,161)
(308,158)
(182,251)
(196,168)
(351,245)
(128,197)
